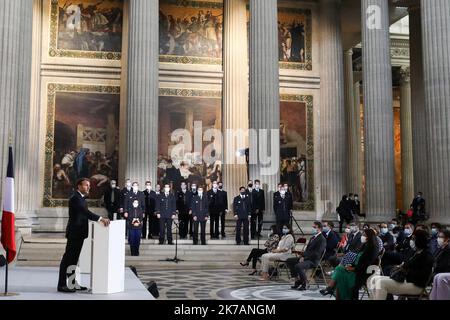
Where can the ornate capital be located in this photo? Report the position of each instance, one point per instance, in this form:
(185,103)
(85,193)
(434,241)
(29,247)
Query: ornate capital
(405,73)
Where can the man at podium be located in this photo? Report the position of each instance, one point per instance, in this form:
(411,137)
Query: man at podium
(76,231)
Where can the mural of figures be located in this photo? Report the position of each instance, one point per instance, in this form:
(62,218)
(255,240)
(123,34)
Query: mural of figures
(296,148)
(190,29)
(177,160)
(88,25)
(85,142)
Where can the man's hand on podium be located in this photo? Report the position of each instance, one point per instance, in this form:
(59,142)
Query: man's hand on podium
(105,222)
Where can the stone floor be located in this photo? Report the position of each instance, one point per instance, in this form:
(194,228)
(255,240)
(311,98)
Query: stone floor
(220,284)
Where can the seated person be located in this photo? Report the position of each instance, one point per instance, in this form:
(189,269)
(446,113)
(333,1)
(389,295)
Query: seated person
(386,237)
(310,257)
(417,270)
(442,255)
(255,254)
(282,252)
(349,276)
(433,245)
(353,244)
(332,239)
(402,250)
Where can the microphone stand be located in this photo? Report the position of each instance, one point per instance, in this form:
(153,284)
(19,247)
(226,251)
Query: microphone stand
(175,259)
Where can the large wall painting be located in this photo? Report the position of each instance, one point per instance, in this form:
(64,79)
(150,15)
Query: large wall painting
(297,148)
(190,31)
(183,109)
(90,29)
(82,140)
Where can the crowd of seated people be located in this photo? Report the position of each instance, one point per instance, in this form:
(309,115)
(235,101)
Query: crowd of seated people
(390,260)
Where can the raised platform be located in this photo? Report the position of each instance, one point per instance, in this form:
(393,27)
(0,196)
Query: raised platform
(32,283)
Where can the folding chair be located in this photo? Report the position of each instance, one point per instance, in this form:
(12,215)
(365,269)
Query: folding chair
(378,265)
(424,294)
(313,274)
(278,267)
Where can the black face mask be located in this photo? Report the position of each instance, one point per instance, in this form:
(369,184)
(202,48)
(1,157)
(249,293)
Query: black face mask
(250,185)
(220,187)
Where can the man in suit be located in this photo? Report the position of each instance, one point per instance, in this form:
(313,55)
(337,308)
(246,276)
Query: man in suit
(259,206)
(283,210)
(331,237)
(166,211)
(250,195)
(224,210)
(418,207)
(289,196)
(149,200)
(194,192)
(310,257)
(123,195)
(215,207)
(76,231)
(199,212)
(242,213)
(354,239)
(184,197)
(386,237)
(111,199)
(156,221)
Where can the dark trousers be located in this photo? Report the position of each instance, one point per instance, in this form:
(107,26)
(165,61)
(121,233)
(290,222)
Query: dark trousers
(214,224)
(154,225)
(282,222)
(134,239)
(254,255)
(202,232)
(300,268)
(144,226)
(239,223)
(191,225)
(290,263)
(165,225)
(256,220)
(70,258)
(111,214)
(184,224)
(222,223)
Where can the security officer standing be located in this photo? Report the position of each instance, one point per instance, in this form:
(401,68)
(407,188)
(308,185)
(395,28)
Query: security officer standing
(134,194)
(224,210)
(194,192)
(242,214)
(123,195)
(259,206)
(184,197)
(149,216)
(166,211)
(111,199)
(214,210)
(199,211)
(156,221)
(282,208)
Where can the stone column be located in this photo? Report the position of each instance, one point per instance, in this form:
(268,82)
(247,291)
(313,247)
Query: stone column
(333,131)
(378,113)
(142,91)
(436,62)
(419,140)
(235,95)
(264,97)
(406,139)
(355,142)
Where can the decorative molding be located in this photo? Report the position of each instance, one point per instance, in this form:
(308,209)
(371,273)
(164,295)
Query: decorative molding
(197,93)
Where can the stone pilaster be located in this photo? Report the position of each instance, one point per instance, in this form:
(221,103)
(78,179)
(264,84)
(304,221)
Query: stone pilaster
(142,91)
(264,96)
(406,139)
(436,63)
(333,131)
(355,141)
(378,113)
(235,94)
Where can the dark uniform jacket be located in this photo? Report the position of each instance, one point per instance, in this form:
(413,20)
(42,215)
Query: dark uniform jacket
(259,201)
(110,203)
(79,215)
(135,213)
(199,207)
(150,201)
(282,208)
(123,195)
(223,195)
(315,249)
(241,207)
(166,206)
(184,201)
(129,199)
(215,202)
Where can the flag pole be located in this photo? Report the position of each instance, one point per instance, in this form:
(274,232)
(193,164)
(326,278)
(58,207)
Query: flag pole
(6,273)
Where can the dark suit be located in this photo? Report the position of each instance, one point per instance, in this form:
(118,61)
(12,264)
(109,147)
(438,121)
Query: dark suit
(215,208)
(282,208)
(111,198)
(224,202)
(199,207)
(183,206)
(442,260)
(149,200)
(388,241)
(332,241)
(354,242)
(242,209)
(123,195)
(76,231)
(166,206)
(258,208)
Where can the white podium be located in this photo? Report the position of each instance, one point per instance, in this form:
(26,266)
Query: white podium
(84,263)
(106,257)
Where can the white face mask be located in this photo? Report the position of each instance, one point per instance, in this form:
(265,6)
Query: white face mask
(440,242)
(363,239)
(135,204)
(282,192)
(257,186)
(384,230)
(215,186)
(149,188)
(135,188)
(166,190)
(408,232)
(347,230)
(183,187)
(200,193)
(113,185)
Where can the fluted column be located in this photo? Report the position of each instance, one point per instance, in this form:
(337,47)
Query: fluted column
(24,189)
(436,62)
(419,140)
(406,139)
(264,97)
(333,132)
(356,143)
(142,99)
(10,66)
(378,113)
(235,94)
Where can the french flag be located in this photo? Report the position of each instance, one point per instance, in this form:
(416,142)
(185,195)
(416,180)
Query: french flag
(8,238)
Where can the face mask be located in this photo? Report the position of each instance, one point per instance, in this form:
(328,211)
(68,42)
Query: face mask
(282,192)
(113,186)
(440,242)
(194,188)
(285,231)
(128,184)
(347,230)
(391,226)
(242,193)
(314,230)
(408,232)
(214,186)
(434,231)
(257,186)
(356,198)
(384,230)
(353,229)
(412,244)
(135,188)
(220,187)
(135,204)
(250,185)
(363,239)
(326,229)
(167,190)
(183,187)
(200,193)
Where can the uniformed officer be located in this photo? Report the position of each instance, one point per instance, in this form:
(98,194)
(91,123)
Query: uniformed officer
(111,199)
(242,214)
(215,207)
(166,209)
(134,194)
(135,217)
(191,221)
(184,197)
(283,210)
(150,197)
(199,211)
(224,210)
(123,195)
(259,206)
(156,221)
